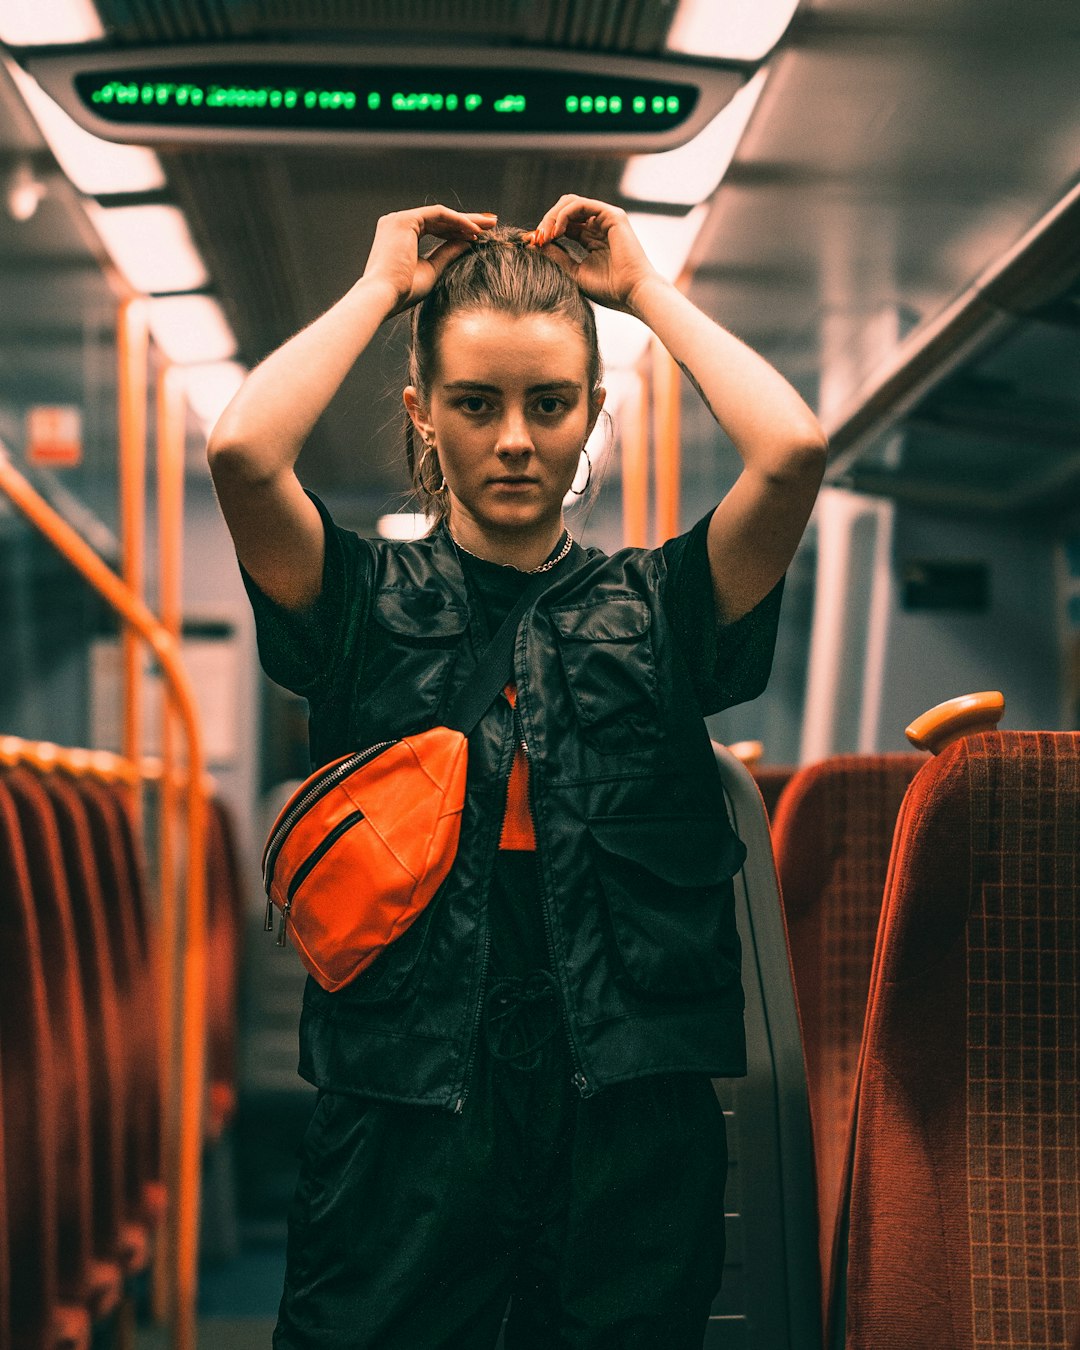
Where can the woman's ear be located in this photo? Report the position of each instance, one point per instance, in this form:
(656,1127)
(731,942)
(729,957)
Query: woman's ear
(418,413)
(596,404)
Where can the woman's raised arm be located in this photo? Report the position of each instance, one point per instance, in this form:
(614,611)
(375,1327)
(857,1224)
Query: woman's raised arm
(756,528)
(254,446)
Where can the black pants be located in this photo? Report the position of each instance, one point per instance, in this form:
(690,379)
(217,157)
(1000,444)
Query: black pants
(601,1220)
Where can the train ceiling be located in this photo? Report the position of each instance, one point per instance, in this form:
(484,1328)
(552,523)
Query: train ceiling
(900,149)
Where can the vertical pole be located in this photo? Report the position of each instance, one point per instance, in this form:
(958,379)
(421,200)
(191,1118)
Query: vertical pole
(634,436)
(170,514)
(667,463)
(132,352)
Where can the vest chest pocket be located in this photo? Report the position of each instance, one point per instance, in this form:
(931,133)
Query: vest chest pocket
(607,657)
(413,644)
(668,887)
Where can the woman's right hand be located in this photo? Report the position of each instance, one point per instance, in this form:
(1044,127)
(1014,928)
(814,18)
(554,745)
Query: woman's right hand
(395,259)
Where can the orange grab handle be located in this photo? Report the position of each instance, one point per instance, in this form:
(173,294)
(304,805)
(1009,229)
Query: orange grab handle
(956,717)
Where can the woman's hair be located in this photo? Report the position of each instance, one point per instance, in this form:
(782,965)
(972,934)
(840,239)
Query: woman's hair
(500,272)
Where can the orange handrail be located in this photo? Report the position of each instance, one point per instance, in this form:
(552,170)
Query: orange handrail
(132,352)
(170,508)
(634,435)
(193,982)
(667,462)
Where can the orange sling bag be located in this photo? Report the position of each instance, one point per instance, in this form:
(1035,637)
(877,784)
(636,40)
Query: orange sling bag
(363,844)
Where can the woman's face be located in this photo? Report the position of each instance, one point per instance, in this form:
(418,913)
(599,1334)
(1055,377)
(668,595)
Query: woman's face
(510,411)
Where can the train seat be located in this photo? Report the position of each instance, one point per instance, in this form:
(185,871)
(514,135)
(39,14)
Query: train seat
(225,914)
(832,833)
(118,1230)
(771,779)
(83,1275)
(34,1315)
(121,879)
(771,1297)
(962,1189)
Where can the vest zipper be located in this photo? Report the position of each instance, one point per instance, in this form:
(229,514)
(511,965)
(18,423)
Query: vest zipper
(578,1079)
(460,1103)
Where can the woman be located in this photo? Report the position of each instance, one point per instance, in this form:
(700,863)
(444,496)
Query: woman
(515,1097)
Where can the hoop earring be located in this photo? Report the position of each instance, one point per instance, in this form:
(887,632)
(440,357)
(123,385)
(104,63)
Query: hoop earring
(580,492)
(429,453)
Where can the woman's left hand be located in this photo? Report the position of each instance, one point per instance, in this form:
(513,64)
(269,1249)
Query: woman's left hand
(614,263)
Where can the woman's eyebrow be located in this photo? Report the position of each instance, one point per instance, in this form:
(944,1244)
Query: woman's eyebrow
(545,387)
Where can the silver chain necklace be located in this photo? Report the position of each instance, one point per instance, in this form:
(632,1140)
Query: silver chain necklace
(527,571)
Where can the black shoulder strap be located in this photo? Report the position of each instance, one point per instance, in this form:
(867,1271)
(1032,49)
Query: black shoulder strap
(495,665)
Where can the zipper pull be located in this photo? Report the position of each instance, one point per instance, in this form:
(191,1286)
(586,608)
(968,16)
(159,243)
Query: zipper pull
(268,922)
(281,926)
(582,1084)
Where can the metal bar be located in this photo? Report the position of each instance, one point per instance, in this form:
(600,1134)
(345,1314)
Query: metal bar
(170,509)
(132,354)
(634,434)
(185,1193)
(667,451)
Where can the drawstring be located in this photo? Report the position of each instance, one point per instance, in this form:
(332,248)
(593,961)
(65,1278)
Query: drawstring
(506,1023)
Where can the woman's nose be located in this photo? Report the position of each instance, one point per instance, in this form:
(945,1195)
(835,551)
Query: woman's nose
(514,438)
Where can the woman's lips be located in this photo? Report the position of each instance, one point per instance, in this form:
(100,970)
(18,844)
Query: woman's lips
(513,483)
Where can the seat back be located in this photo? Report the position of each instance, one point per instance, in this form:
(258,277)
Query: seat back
(832,834)
(772,780)
(225,915)
(68,1021)
(135,985)
(104,1027)
(29,1100)
(962,1191)
(771,1296)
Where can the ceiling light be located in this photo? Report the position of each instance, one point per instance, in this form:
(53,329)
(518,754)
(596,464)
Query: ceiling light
(692,172)
(96,167)
(210,387)
(403,525)
(23,192)
(191,329)
(738,30)
(151,245)
(29,23)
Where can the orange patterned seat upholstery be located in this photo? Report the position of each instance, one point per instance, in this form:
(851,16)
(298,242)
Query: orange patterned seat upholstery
(961,1212)
(832,834)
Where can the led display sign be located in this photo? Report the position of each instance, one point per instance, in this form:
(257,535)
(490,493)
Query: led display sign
(371,95)
(431,100)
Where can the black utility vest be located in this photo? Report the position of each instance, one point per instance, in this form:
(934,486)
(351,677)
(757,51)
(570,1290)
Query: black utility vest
(635,850)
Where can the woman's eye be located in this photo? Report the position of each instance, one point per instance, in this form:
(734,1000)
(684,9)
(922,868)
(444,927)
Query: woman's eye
(473,403)
(551,404)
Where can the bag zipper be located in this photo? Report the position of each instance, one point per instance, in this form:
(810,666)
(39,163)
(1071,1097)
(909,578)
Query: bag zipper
(304,870)
(319,786)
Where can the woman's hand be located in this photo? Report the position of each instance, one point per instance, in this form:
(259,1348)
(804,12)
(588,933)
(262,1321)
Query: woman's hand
(614,263)
(395,258)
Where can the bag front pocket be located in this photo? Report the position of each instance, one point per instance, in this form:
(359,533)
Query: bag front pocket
(607,658)
(667,884)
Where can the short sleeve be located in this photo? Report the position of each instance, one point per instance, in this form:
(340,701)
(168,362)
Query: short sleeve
(728,663)
(302,650)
